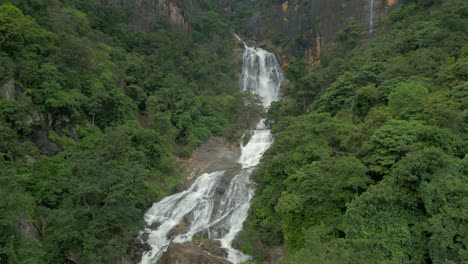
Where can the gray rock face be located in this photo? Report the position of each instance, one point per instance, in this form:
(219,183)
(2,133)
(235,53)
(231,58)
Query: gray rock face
(10,90)
(27,231)
(40,137)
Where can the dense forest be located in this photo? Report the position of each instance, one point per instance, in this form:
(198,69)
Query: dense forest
(93,117)
(369,161)
(368,165)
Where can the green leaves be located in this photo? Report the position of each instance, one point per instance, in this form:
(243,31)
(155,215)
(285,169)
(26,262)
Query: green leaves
(394,140)
(403,211)
(367,164)
(14,26)
(120,104)
(407,100)
(94,193)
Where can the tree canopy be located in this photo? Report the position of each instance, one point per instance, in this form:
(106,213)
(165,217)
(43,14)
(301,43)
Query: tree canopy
(369,159)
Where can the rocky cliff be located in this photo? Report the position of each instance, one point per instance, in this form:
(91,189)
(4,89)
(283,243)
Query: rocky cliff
(289,28)
(145,13)
(301,27)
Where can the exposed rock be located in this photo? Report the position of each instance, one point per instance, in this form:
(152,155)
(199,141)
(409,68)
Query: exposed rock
(30,160)
(27,231)
(136,250)
(40,137)
(75,256)
(144,236)
(8,90)
(214,155)
(214,248)
(154,225)
(300,28)
(178,230)
(272,254)
(147,12)
(189,253)
(277,254)
(220,190)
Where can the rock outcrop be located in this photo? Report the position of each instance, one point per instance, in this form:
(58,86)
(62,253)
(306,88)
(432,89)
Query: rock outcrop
(145,13)
(289,28)
(300,28)
(214,155)
(191,253)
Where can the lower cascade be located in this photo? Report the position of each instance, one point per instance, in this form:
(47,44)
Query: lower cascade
(207,208)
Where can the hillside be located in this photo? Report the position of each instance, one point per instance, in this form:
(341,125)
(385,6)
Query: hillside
(94,117)
(100,101)
(369,160)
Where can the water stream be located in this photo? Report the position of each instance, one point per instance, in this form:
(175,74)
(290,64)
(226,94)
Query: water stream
(216,205)
(371,16)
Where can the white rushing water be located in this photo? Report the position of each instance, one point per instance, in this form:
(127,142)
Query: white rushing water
(209,208)
(371,15)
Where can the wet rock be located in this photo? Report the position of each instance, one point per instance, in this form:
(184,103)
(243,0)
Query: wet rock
(181,228)
(154,225)
(144,236)
(136,250)
(214,155)
(224,186)
(189,253)
(214,247)
(220,190)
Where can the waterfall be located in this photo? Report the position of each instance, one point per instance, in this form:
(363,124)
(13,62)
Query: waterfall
(203,208)
(261,74)
(371,16)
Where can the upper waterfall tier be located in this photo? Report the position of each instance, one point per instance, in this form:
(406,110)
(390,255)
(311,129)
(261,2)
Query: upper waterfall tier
(261,74)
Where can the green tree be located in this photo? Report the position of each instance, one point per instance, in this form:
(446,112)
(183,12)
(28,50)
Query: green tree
(14,26)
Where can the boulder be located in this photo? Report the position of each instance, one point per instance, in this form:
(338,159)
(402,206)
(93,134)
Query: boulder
(27,231)
(190,253)
(180,229)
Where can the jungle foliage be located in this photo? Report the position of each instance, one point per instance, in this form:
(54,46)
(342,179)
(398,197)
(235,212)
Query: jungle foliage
(369,161)
(93,117)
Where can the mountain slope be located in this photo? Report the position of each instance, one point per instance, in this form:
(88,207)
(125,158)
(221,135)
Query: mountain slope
(368,163)
(93,119)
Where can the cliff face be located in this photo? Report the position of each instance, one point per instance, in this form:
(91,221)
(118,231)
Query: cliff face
(146,12)
(286,27)
(301,27)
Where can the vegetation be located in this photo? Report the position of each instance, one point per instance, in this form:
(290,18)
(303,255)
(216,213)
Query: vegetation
(369,161)
(92,119)
(368,165)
